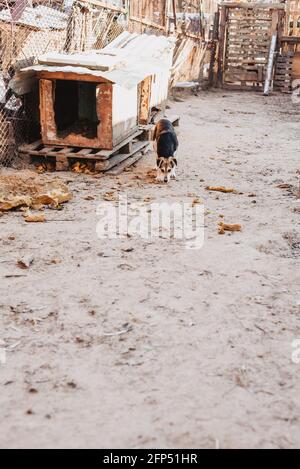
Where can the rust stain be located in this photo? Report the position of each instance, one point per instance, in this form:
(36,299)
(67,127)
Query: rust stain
(104,111)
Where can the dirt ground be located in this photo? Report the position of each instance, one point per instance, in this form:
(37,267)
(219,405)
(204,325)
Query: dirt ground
(204,358)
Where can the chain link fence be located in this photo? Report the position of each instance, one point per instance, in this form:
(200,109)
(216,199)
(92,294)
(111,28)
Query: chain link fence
(29,29)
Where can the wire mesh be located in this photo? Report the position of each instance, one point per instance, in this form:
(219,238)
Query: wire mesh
(29,29)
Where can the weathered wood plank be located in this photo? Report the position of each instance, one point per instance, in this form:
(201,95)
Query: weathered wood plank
(84,152)
(126,164)
(105,154)
(119,158)
(47,75)
(31,146)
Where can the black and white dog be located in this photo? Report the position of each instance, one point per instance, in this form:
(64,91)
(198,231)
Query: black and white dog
(166,143)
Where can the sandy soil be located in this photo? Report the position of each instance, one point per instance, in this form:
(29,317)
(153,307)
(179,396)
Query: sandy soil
(206,359)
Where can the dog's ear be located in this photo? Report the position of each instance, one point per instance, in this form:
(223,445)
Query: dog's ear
(175,161)
(159,162)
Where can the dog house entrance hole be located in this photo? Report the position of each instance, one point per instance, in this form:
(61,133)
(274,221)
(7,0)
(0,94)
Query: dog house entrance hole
(75,108)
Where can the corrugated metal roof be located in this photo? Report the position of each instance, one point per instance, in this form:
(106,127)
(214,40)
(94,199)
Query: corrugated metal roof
(127,61)
(127,77)
(142,45)
(123,50)
(40,17)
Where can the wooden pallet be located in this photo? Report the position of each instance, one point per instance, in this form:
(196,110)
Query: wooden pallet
(63,158)
(113,161)
(244,44)
(283,72)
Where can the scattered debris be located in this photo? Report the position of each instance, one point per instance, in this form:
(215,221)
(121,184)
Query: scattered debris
(72,385)
(13,346)
(223,227)
(84,168)
(54,261)
(35,218)
(197,201)
(110,196)
(14,276)
(33,391)
(221,189)
(25,262)
(127,328)
(43,167)
(31,191)
(285,186)
(241,378)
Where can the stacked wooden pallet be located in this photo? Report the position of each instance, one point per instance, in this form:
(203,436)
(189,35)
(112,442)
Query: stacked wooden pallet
(246,31)
(283,72)
(248,42)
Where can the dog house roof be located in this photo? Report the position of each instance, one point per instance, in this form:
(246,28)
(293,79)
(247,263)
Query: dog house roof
(127,61)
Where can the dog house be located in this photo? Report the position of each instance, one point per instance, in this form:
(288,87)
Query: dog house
(98,99)
(82,110)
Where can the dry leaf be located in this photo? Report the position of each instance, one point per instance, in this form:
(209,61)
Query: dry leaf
(284,186)
(14,202)
(30,190)
(41,168)
(110,196)
(223,227)
(35,218)
(221,189)
(197,201)
(83,168)
(55,261)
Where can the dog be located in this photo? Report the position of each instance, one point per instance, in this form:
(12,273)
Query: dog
(166,143)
